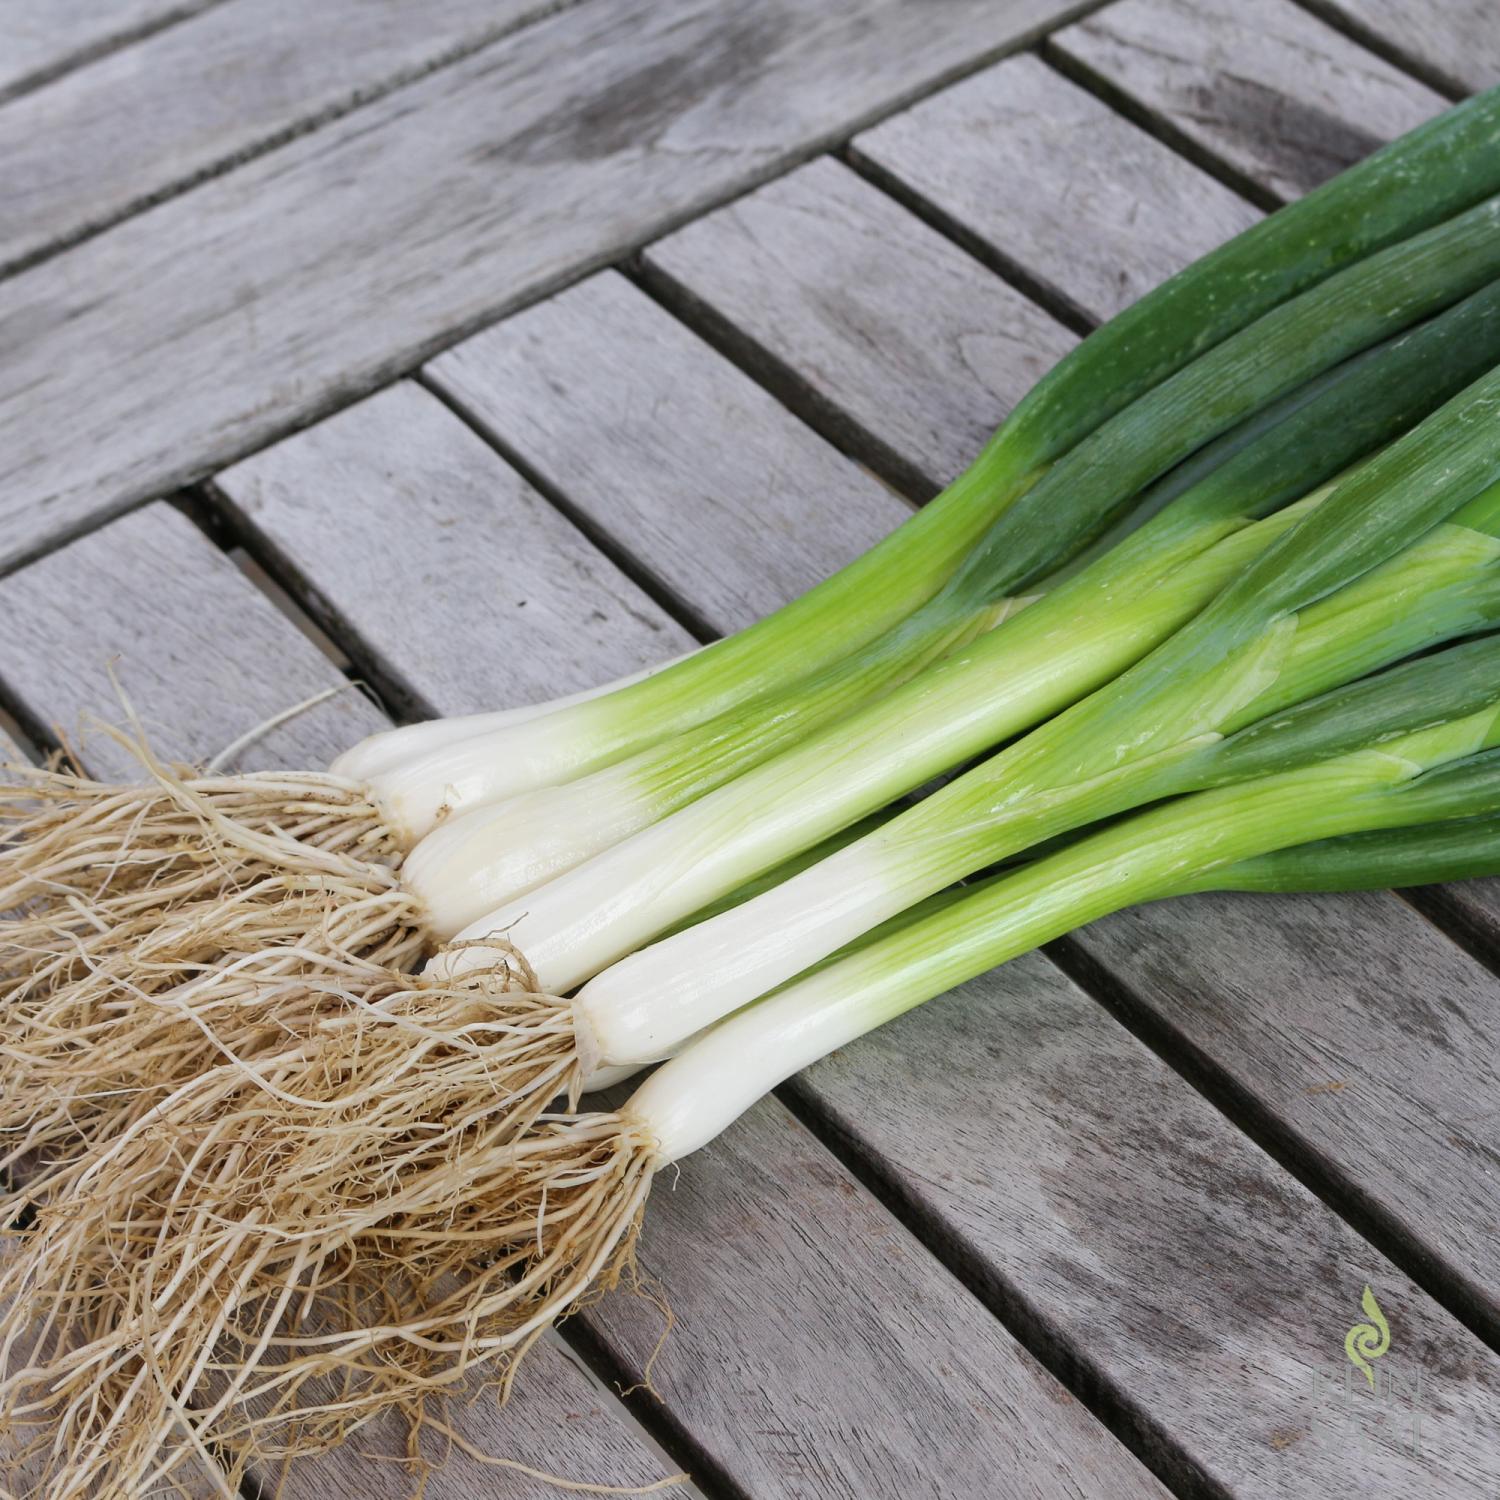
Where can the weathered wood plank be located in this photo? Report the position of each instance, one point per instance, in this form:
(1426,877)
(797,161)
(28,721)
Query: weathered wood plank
(717,493)
(138,125)
(202,656)
(1044,177)
(187,337)
(1468,910)
(426,554)
(41,39)
(819,1351)
(1357,1031)
(561,1421)
(1088,1188)
(1456,43)
(1283,98)
(827,284)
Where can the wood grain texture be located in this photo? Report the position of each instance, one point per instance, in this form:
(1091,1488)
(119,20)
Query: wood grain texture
(1468,910)
(715,491)
(561,1420)
(186,338)
(906,347)
(201,654)
(1455,42)
(426,554)
(40,39)
(1047,178)
(1283,98)
(106,140)
(1366,1037)
(820,1353)
(1081,1181)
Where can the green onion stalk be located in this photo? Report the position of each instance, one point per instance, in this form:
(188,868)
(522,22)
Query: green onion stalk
(80,1064)
(1465,848)
(343,1210)
(184,839)
(1402,554)
(970,668)
(1189,533)
(1137,484)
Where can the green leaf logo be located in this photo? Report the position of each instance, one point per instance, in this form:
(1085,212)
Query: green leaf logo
(1367,1341)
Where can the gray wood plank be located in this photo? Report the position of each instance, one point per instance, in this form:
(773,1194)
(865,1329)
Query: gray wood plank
(1359,1032)
(561,1420)
(187,337)
(1455,43)
(1468,910)
(201,654)
(1045,177)
(717,493)
(427,555)
(40,39)
(1083,1184)
(1283,98)
(829,284)
(818,1350)
(140,124)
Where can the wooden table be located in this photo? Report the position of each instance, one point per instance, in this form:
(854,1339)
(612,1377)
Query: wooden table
(474,351)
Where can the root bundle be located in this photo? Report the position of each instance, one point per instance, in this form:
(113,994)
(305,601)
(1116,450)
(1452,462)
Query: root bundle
(289,1244)
(149,927)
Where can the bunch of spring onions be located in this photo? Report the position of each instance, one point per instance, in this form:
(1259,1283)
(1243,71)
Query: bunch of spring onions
(258,1149)
(638,846)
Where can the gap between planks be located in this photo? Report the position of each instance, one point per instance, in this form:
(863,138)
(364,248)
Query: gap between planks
(670,600)
(358,96)
(992,257)
(1155,124)
(1388,48)
(1363,1212)
(101,46)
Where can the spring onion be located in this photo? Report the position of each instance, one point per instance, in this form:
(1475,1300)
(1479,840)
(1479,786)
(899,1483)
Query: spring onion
(1164,584)
(97,1063)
